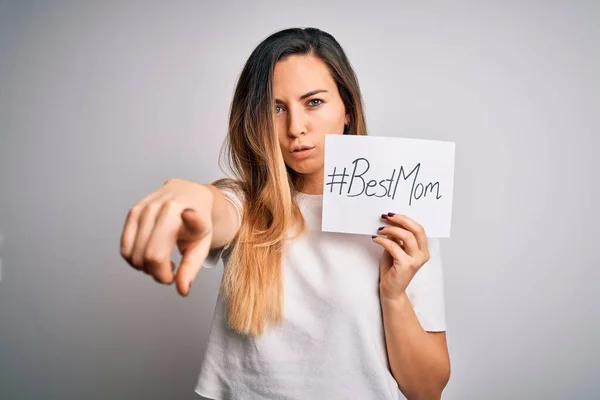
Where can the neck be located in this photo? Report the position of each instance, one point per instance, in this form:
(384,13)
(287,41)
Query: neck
(313,183)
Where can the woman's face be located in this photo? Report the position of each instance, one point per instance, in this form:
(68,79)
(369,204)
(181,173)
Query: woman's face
(307,106)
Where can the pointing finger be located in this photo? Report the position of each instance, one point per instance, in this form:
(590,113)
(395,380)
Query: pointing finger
(194,254)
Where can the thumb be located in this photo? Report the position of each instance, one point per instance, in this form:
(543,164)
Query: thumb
(193,222)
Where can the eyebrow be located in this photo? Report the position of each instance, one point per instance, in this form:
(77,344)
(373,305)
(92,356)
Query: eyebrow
(305,95)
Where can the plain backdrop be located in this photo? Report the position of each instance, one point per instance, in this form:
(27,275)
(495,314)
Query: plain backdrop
(102,101)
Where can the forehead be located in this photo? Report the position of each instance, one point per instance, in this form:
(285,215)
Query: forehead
(296,75)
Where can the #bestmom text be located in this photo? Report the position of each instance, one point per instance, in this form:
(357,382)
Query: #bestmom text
(359,186)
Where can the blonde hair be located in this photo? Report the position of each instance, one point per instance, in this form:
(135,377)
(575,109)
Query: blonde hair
(253,278)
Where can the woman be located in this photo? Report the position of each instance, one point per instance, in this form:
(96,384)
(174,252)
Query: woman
(301,314)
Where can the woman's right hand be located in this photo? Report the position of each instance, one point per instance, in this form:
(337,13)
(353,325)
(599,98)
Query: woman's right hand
(178,214)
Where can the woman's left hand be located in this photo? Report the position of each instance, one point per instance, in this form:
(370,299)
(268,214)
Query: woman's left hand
(405,251)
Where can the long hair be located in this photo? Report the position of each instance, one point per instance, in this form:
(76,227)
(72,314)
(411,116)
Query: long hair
(252,280)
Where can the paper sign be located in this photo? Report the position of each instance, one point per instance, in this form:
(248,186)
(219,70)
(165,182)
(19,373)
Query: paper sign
(366,176)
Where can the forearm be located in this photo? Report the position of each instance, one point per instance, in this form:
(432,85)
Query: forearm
(419,366)
(224,217)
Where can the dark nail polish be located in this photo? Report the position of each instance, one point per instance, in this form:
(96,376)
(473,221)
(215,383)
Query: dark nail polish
(381,228)
(391,214)
(373,237)
(384,216)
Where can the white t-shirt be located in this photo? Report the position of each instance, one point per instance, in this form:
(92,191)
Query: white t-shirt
(331,344)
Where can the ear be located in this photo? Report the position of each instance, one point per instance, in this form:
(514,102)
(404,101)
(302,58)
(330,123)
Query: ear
(347,119)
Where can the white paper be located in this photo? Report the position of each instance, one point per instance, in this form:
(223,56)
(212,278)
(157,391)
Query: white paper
(366,176)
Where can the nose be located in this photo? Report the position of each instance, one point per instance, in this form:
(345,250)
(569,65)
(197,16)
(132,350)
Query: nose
(296,124)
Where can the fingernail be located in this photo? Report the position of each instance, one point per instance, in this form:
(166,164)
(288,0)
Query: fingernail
(381,228)
(391,214)
(384,216)
(373,237)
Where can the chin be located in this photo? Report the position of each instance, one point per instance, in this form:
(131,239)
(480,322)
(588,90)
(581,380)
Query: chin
(304,168)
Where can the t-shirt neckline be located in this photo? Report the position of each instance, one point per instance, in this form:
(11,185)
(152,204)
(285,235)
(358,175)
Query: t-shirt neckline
(309,198)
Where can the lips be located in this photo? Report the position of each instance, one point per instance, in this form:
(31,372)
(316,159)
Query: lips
(296,149)
(302,152)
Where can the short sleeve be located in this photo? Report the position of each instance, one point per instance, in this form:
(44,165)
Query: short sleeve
(426,291)
(214,255)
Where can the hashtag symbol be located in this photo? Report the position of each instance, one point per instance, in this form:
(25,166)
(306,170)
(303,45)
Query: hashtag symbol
(337,179)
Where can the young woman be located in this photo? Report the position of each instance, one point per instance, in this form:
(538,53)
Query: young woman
(301,314)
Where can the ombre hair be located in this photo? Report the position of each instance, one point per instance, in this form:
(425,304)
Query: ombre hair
(253,280)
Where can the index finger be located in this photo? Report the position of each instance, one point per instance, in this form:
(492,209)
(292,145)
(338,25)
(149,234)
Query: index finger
(195,253)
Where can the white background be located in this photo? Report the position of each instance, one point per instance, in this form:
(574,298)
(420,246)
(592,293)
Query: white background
(101,101)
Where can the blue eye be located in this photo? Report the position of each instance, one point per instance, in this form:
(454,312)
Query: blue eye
(313,104)
(278,109)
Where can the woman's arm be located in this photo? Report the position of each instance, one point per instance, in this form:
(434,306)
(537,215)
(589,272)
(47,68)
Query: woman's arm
(412,303)
(225,218)
(419,359)
(192,216)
